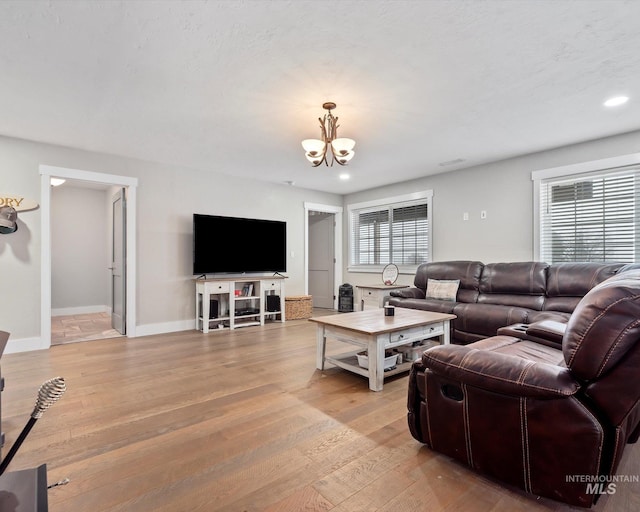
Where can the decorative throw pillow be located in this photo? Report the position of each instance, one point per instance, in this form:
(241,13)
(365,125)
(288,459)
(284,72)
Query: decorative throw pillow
(445,289)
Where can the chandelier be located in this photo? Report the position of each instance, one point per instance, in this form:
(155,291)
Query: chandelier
(341,148)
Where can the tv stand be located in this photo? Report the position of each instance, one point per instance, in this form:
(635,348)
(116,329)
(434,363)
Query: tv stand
(232,302)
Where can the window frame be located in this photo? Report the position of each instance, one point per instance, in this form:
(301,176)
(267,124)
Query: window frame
(613,165)
(421,197)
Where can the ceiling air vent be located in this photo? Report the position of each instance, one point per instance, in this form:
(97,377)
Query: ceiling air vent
(451,162)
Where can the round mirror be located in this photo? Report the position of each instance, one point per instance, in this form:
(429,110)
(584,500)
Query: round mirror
(390,274)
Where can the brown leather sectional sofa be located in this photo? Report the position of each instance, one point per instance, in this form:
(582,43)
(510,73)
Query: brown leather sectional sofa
(496,295)
(550,418)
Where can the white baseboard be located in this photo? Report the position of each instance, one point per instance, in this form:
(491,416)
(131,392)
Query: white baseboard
(165,327)
(80,310)
(24,345)
(29,344)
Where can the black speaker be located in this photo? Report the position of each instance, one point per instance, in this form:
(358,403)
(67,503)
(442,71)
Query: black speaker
(273,303)
(345,298)
(213,308)
(345,304)
(345,290)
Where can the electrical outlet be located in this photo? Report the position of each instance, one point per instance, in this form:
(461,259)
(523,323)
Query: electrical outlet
(483,214)
(465,216)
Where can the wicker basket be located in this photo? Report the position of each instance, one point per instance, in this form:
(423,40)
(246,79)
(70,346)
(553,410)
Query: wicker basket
(298,306)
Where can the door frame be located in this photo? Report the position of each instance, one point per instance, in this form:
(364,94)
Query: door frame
(337,245)
(130,184)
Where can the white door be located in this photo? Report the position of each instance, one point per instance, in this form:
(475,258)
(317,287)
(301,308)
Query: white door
(118,270)
(321,258)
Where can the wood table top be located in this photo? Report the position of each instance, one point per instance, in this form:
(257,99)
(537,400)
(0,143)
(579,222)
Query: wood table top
(373,321)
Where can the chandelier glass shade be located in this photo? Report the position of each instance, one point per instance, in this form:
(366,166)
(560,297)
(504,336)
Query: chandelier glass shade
(316,150)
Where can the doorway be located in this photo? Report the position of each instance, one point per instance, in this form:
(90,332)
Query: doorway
(86,233)
(89,178)
(323,253)
(321,259)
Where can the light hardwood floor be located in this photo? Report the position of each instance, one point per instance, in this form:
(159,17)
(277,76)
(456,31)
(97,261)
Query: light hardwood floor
(238,421)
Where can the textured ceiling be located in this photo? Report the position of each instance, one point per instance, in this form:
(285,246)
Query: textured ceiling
(234,86)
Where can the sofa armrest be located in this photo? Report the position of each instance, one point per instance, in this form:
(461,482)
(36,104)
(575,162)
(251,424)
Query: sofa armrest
(547,330)
(500,373)
(408,293)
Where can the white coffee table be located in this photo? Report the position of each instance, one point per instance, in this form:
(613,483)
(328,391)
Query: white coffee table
(372,331)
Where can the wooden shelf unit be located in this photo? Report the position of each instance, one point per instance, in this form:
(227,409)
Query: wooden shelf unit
(241,301)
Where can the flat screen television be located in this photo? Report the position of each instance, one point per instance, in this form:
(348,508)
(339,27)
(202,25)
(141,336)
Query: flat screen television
(234,245)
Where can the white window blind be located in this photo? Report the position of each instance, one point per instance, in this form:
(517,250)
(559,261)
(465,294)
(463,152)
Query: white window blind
(410,235)
(390,233)
(371,232)
(591,217)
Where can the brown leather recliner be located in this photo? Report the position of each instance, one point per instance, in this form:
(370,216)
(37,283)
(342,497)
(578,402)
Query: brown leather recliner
(551,421)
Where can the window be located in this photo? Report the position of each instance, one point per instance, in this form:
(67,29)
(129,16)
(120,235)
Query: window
(393,230)
(589,216)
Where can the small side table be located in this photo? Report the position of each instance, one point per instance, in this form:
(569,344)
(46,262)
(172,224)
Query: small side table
(373,294)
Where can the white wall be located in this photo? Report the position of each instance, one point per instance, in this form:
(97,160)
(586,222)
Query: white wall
(166,199)
(79,257)
(504,189)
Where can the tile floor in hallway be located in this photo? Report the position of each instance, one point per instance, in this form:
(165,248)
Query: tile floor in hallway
(90,326)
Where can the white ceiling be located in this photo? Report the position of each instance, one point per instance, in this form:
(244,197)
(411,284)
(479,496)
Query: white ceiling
(234,86)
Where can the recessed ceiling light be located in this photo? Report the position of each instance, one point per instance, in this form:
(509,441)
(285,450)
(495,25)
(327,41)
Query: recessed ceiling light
(615,101)
(344,176)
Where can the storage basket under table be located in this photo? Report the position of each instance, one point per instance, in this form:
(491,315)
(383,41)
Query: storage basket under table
(298,307)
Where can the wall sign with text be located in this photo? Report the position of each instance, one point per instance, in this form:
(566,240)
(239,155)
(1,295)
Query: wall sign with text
(10,205)
(17,202)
